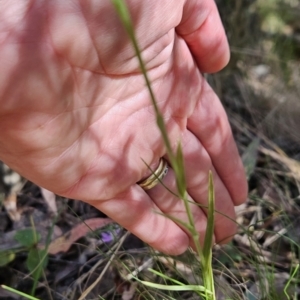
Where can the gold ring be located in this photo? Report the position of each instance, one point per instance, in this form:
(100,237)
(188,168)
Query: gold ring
(156,176)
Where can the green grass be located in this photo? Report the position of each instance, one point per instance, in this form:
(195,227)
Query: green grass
(18,293)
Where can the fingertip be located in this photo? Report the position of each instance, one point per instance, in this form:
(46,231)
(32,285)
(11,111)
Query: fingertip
(172,244)
(226,240)
(216,58)
(211,49)
(227,234)
(203,31)
(244,190)
(239,187)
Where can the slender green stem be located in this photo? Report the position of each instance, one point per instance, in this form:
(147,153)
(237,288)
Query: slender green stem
(176,160)
(18,292)
(289,281)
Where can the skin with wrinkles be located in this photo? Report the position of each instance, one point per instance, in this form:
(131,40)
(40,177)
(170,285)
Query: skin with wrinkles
(76,117)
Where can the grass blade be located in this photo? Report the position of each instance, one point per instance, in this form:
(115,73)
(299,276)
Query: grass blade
(208,241)
(18,293)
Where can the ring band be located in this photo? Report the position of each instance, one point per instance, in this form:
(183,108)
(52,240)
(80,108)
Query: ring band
(157,176)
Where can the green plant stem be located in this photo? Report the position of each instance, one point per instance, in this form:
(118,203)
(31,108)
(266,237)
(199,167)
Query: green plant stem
(18,292)
(289,281)
(177,164)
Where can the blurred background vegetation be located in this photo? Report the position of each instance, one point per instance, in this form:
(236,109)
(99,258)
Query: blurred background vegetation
(262,81)
(260,89)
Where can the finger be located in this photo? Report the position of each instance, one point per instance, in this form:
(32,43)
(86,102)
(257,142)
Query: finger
(135,211)
(164,196)
(197,166)
(210,125)
(202,29)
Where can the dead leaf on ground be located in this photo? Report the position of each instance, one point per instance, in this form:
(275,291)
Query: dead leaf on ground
(50,199)
(292,164)
(64,243)
(129,293)
(10,204)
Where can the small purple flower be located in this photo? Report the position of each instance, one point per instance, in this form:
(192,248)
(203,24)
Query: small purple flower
(109,236)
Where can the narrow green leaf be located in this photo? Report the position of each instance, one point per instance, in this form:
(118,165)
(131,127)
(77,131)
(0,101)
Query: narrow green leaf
(27,237)
(206,263)
(123,13)
(195,288)
(161,124)
(178,221)
(6,257)
(37,260)
(18,292)
(290,280)
(180,174)
(207,248)
(165,277)
(177,165)
(249,157)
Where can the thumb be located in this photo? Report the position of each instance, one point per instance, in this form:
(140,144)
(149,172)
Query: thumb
(202,29)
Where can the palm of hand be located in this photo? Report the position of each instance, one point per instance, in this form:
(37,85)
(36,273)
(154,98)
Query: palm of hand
(76,107)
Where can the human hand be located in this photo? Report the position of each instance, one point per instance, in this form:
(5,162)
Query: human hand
(76,116)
